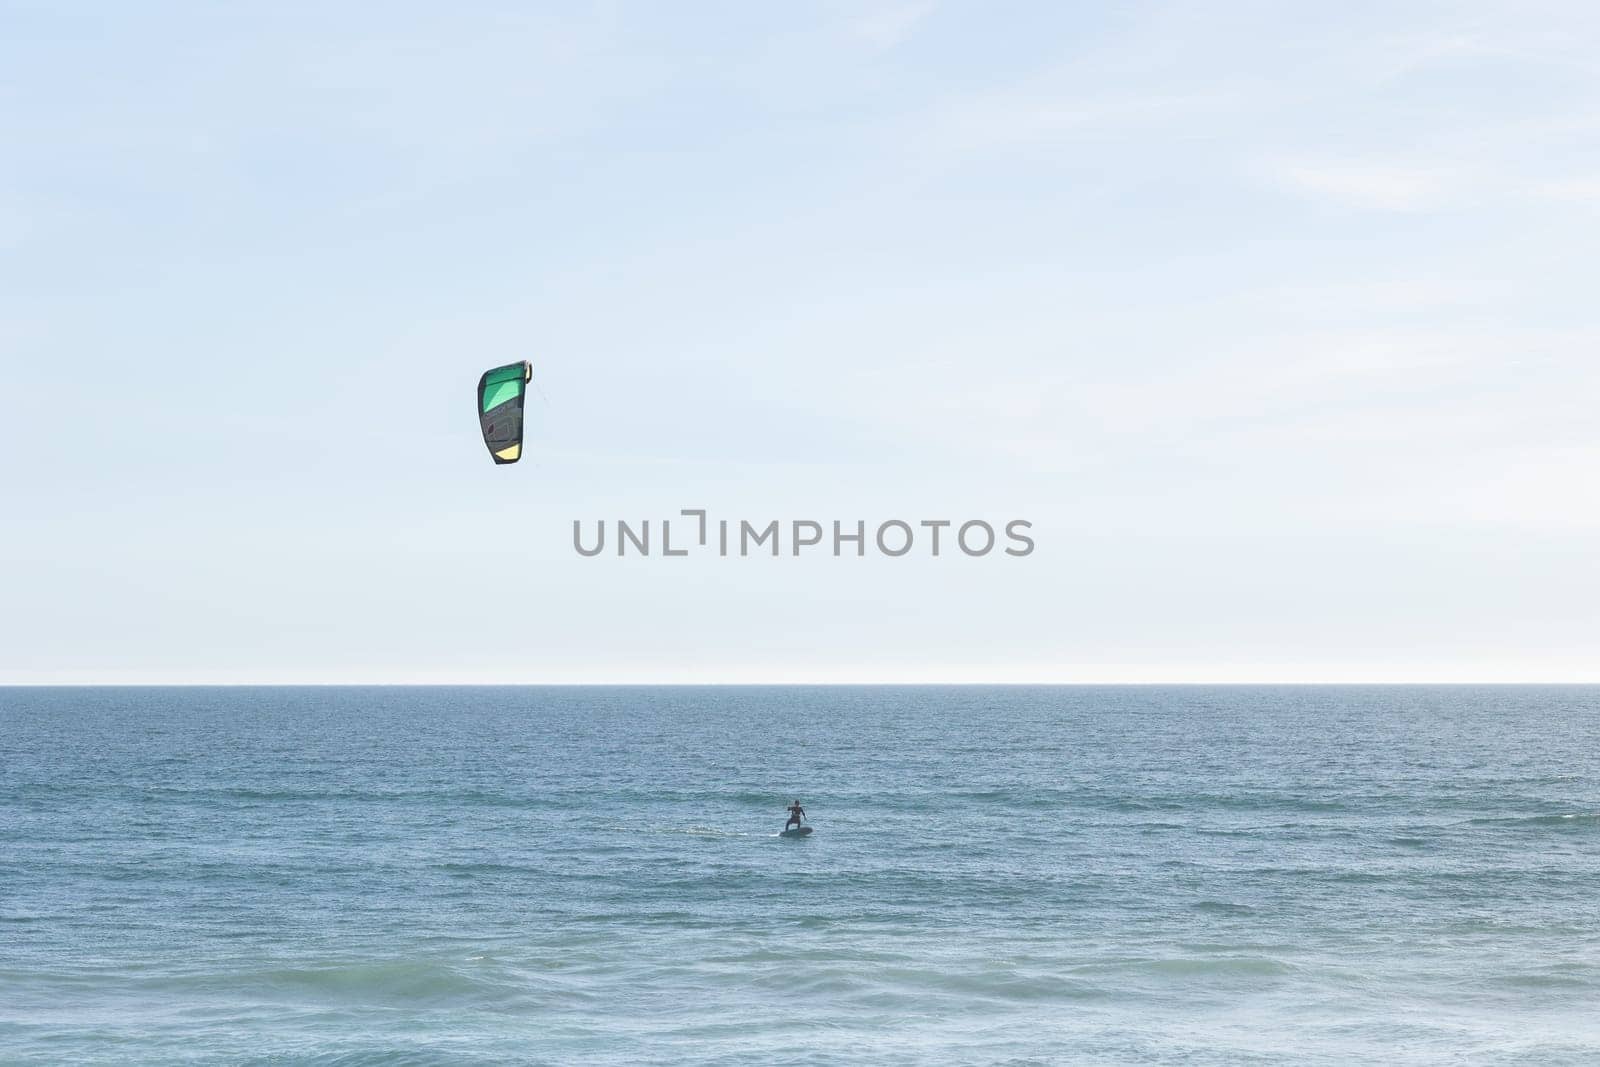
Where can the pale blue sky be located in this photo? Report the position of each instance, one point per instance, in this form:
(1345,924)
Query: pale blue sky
(1278,321)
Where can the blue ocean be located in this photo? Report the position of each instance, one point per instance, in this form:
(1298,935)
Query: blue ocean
(1005,875)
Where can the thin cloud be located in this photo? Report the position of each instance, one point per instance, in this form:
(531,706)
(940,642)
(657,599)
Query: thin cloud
(1372,186)
(886,25)
(1582,192)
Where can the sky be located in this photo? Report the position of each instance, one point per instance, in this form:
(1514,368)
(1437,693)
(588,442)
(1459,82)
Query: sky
(1277,322)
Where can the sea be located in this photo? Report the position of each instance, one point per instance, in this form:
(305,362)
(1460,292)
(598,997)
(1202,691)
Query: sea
(997,875)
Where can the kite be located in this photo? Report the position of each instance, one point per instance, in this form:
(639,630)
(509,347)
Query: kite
(500,395)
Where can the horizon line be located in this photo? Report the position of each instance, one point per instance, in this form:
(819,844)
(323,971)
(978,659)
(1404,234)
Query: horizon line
(883,684)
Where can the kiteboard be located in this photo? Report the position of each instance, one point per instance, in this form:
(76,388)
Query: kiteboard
(798,831)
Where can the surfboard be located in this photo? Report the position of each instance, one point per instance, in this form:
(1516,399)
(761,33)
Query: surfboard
(798,831)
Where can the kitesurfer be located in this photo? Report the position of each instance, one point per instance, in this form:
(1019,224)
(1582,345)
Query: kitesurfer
(797,815)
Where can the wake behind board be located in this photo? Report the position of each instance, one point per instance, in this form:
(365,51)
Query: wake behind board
(798,831)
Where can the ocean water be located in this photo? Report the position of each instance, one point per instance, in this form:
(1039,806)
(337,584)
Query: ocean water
(998,875)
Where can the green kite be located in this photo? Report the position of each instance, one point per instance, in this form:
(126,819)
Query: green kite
(500,395)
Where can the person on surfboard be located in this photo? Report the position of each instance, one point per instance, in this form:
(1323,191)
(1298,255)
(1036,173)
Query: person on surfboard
(797,815)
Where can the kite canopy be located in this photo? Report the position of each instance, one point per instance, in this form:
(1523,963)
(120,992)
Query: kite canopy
(500,395)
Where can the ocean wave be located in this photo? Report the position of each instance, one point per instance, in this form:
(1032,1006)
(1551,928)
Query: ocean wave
(395,983)
(1551,979)
(1577,820)
(683,831)
(1223,907)
(442,795)
(892,986)
(1192,966)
